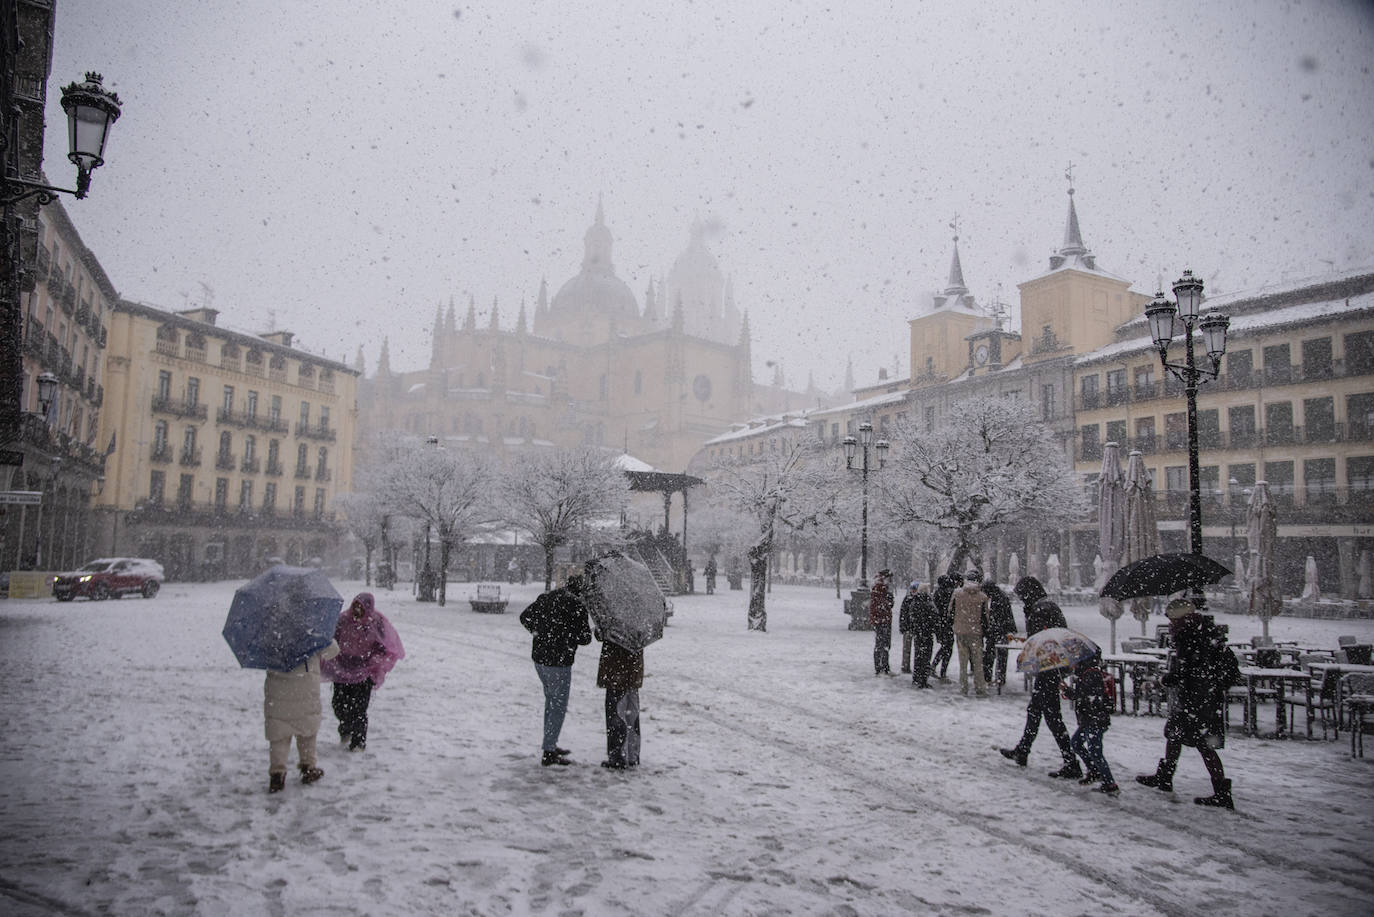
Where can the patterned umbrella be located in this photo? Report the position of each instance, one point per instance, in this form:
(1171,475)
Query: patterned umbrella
(1054,648)
(1261,533)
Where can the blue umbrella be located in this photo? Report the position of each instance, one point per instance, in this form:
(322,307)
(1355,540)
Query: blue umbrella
(281,618)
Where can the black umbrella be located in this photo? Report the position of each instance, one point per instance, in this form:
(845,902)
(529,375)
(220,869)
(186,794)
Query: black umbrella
(1163,574)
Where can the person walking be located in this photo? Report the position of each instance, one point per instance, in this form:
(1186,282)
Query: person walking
(621,673)
(369,648)
(906,622)
(923,624)
(557,620)
(1093,709)
(880,618)
(1202,668)
(1042,612)
(969,605)
(291,708)
(945,585)
(710,572)
(1001,625)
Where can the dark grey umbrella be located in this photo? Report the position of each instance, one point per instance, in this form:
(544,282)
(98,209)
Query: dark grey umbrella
(1164,574)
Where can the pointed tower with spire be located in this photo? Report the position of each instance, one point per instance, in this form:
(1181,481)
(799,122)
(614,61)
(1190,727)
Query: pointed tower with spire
(520,328)
(436,352)
(470,320)
(941,339)
(495,316)
(450,319)
(650,307)
(358,363)
(1075,306)
(742,386)
(384,360)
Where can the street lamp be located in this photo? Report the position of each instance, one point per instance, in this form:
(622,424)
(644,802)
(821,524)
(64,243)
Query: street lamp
(90,112)
(851,446)
(1163,316)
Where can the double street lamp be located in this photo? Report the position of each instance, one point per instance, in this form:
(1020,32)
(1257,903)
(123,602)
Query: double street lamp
(1165,317)
(851,448)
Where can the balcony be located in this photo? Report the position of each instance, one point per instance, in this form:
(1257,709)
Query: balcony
(302,472)
(195,354)
(1278,375)
(1089,401)
(167,348)
(250,466)
(161,453)
(225,461)
(270,423)
(179,408)
(316,431)
(190,458)
(69,299)
(274,469)
(323,474)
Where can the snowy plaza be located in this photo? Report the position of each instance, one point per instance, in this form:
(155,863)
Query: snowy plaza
(779,776)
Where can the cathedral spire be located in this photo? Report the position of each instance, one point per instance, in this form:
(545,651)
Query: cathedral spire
(451,319)
(358,363)
(520,327)
(541,305)
(384,360)
(1073,252)
(470,320)
(495,316)
(849,373)
(956,286)
(677,314)
(650,310)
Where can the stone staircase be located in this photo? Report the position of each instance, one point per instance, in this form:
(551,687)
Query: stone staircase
(658,568)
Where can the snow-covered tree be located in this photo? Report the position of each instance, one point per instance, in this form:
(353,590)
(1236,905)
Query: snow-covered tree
(553,494)
(447,489)
(778,491)
(365,516)
(993,464)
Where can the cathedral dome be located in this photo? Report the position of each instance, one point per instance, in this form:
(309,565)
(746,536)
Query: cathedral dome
(597,289)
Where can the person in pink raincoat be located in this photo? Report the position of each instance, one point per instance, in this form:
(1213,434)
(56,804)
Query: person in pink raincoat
(368,649)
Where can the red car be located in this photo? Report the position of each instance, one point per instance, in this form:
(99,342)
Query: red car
(110,577)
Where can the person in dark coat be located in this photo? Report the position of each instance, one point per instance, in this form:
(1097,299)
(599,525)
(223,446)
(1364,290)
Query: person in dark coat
(1000,624)
(1088,691)
(1201,670)
(880,617)
(558,621)
(710,575)
(944,622)
(921,609)
(621,673)
(905,622)
(1042,613)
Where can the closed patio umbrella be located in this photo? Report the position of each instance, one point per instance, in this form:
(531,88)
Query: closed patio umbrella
(1111,529)
(1261,532)
(1141,531)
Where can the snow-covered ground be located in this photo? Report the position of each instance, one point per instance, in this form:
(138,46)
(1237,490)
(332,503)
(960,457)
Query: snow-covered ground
(779,776)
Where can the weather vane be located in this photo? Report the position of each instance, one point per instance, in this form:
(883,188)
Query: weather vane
(954,225)
(1068,173)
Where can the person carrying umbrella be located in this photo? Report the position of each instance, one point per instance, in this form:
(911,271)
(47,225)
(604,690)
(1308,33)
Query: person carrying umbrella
(369,648)
(1203,668)
(558,621)
(291,707)
(1042,612)
(880,617)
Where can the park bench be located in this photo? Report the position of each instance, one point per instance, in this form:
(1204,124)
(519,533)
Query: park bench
(488,599)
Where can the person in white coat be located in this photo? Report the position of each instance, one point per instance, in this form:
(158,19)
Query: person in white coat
(291,707)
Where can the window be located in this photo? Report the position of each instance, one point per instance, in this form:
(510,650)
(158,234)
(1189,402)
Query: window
(1319,479)
(1240,366)
(1359,353)
(298,504)
(1278,422)
(1319,420)
(269,496)
(1144,381)
(835,432)
(275,413)
(228,403)
(245,496)
(319,501)
(302,459)
(1089,389)
(1176,478)
(1176,431)
(883,420)
(160,438)
(1277,363)
(1359,415)
(250,449)
(1280,478)
(324,418)
(1116,432)
(1359,472)
(321,464)
(184,487)
(1116,386)
(251,407)
(1145,434)
(157,484)
(164,385)
(1209,479)
(1091,446)
(1048,408)
(1241,421)
(273,456)
(221,494)
(1208,429)
(193,390)
(1243,474)
(188,441)
(1316,359)
(305,414)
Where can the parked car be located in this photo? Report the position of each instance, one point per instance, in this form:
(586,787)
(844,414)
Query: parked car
(110,577)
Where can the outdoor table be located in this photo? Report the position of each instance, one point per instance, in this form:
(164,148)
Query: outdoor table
(1340,668)
(1138,664)
(1253,676)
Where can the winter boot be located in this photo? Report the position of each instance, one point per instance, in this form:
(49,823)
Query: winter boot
(553,757)
(1088,779)
(276,783)
(309,774)
(1070,771)
(1221,795)
(1111,789)
(1014,754)
(1162,779)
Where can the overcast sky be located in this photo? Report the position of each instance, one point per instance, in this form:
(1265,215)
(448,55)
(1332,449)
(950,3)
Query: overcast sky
(341,168)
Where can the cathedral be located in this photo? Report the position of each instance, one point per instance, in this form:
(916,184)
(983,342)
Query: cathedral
(589,367)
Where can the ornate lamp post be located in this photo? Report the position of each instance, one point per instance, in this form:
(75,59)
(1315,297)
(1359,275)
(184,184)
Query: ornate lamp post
(851,447)
(1164,317)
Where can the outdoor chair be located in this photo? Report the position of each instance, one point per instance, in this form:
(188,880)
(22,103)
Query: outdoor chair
(1323,703)
(1358,689)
